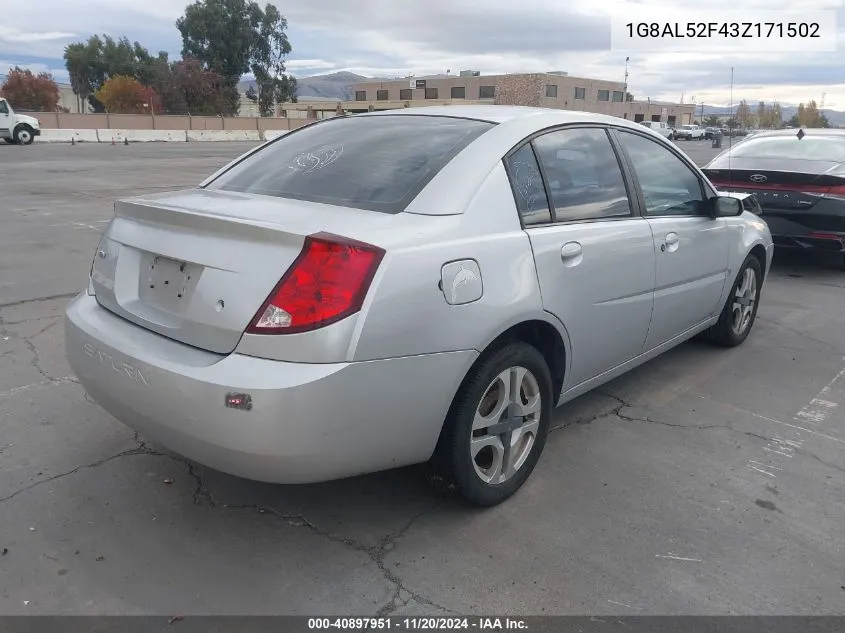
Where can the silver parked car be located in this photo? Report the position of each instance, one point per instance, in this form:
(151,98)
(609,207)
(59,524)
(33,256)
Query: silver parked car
(402,287)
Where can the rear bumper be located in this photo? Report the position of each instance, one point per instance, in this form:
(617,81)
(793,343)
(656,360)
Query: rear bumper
(830,243)
(308,422)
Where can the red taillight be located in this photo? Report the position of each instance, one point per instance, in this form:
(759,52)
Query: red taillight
(812,190)
(820,235)
(326,283)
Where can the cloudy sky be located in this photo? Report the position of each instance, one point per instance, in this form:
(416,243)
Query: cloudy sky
(401,37)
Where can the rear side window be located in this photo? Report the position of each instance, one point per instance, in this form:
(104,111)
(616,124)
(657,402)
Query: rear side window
(379,163)
(528,190)
(826,148)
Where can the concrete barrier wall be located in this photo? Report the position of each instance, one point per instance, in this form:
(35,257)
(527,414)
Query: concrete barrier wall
(223,135)
(141,136)
(66,136)
(107,135)
(269,135)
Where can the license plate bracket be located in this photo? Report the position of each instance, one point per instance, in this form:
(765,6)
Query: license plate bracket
(165,282)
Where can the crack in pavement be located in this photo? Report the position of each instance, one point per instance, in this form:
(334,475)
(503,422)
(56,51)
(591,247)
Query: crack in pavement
(41,482)
(202,493)
(33,319)
(376,553)
(618,412)
(799,333)
(819,460)
(36,359)
(43,383)
(64,295)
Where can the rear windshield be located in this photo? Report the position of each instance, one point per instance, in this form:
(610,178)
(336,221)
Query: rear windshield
(826,148)
(379,163)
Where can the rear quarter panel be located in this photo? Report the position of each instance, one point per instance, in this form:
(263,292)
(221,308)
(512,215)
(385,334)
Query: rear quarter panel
(407,312)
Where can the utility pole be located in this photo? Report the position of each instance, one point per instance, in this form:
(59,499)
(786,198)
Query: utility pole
(625,93)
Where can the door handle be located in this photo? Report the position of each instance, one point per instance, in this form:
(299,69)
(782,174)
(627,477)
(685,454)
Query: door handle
(571,254)
(670,242)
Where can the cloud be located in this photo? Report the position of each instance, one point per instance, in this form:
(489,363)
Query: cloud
(397,38)
(14,36)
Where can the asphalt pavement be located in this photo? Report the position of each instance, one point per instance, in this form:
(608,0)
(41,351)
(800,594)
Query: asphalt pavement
(708,481)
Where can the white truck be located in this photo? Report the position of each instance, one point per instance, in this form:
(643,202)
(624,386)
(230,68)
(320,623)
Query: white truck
(689,133)
(15,128)
(660,127)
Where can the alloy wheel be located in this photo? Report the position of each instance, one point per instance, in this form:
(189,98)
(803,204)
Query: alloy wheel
(505,426)
(745,299)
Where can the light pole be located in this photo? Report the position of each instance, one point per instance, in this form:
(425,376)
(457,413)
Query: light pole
(625,91)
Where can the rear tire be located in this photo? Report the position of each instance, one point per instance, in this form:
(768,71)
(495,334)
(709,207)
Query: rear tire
(489,463)
(740,311)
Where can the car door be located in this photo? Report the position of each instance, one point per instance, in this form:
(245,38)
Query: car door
(594,256)
(690,246)
(5,120)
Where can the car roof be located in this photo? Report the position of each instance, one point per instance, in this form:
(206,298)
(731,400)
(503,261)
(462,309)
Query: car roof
(504,113)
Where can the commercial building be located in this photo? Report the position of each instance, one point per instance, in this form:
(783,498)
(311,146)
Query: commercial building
(547,90)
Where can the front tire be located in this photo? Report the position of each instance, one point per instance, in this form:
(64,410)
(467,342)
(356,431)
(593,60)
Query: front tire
(497,425)
(740,311)
(24,135)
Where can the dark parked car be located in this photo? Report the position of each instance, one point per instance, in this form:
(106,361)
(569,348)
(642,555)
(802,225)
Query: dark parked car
(798,177)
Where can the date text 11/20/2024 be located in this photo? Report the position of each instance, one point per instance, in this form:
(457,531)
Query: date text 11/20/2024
(742,30)
(418,624)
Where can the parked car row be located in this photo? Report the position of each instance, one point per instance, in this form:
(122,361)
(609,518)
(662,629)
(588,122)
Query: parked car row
(401,287)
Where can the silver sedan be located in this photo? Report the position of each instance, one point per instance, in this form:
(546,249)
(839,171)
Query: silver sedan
(393,288)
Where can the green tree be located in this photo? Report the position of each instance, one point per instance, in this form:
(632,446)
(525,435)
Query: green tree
(795,121)
(743,114)
(234,37)
(802,115)
(251,94)
(712,121)
(90,64)
(186,87)
(83,63)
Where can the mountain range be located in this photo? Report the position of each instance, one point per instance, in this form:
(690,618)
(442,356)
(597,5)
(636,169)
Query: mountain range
(338,87)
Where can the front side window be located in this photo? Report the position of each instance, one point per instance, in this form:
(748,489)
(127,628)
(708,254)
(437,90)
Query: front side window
(668,184)
(4,107)
(528,189)
(378,163)
(583,173)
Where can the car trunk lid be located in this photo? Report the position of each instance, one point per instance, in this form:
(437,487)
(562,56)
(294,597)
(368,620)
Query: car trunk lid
(196,265)
(777,189)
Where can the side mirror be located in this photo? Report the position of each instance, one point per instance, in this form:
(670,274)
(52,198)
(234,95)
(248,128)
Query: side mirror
(725,207)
